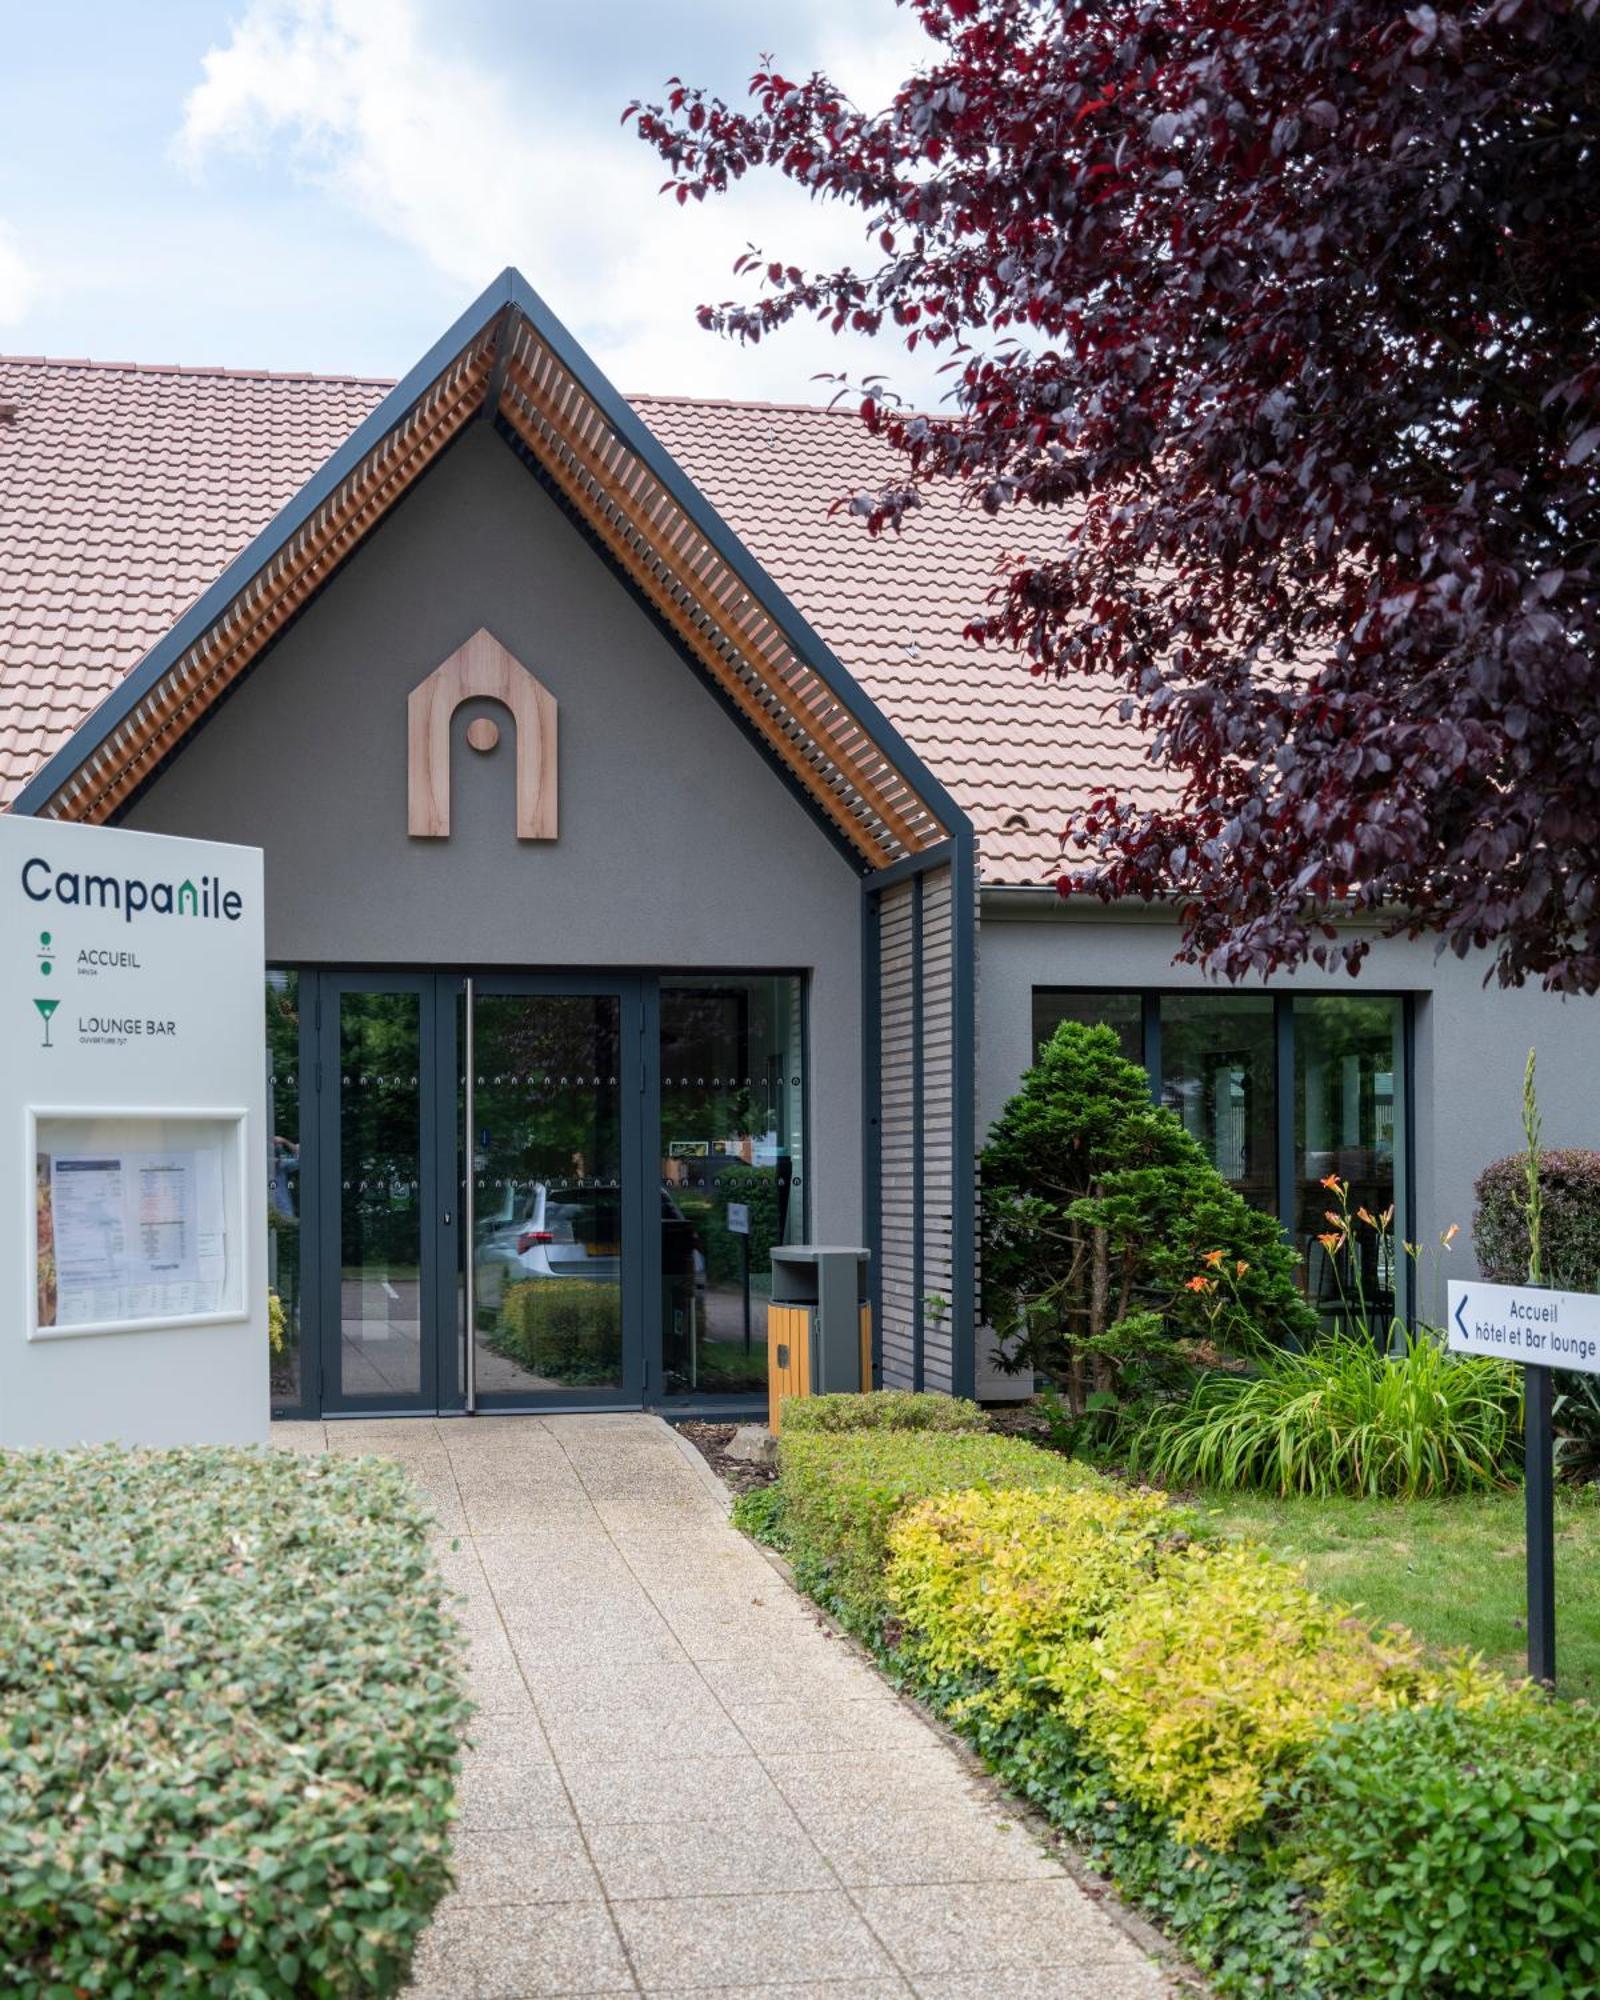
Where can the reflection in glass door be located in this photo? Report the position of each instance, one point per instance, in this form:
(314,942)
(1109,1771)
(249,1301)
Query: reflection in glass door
(377,1204)
(548,1093)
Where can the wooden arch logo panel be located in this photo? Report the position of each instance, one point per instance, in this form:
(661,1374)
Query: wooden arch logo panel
(481,669)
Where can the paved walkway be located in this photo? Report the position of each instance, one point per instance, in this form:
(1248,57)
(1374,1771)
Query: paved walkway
(680,1781)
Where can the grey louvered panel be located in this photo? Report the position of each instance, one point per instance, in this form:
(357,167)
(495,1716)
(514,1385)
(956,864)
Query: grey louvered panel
(897,1137)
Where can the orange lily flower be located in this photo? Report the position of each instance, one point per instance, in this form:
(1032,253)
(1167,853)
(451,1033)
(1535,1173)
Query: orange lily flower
(1329,1241)
(1213,1259)
(1332,1181)
(1240,1268)
(1198,1284)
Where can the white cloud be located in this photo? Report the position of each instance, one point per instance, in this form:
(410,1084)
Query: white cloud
(19,282)
(473,171)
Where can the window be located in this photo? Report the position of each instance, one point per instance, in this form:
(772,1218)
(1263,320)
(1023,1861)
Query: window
(1121,1011)
(1222,1062)
(732,1171)
(283,1179)
(1218,1075)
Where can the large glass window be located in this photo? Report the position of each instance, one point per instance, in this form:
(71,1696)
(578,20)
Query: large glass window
(1217,1073)
(732,1171)
(1121,1011)
(283,1183)
(1347,1124)
(1221,1056)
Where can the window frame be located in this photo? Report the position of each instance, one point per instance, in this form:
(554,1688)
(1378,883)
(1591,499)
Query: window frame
(1288,1139)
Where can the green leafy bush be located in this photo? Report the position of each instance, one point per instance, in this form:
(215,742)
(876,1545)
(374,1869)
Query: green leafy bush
(1002,1593)
(882,1410)
(1344,1418)
(841,1492)
(569,1329)
(1099,1212)
(1456,1853)
(1218,1676)
(229,1709)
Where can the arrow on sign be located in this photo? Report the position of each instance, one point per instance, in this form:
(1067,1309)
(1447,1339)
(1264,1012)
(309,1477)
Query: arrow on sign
(1461,1306)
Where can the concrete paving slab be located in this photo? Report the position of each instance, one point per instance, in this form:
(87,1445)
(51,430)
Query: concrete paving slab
(681,1780)
(710,1941)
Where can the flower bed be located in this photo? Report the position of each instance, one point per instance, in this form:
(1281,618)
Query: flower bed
(1305,1800)
(229,1711)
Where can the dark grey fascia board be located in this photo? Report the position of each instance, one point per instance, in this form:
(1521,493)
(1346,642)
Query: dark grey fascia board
(939,855)
(631,430)
(509,291)
(207,608)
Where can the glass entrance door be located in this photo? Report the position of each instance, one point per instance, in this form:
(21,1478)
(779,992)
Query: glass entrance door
(380,1199)
(548,1117)
(482,1221)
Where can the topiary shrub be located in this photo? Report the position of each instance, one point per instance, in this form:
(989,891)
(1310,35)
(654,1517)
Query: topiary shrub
(1214,1681)
(1569,1180)
(1003,1592)
(1108,1236)
(229,1710)
(841,1492)
(1569,1183)
(1454,1852)
(882,1410)
(568,1329)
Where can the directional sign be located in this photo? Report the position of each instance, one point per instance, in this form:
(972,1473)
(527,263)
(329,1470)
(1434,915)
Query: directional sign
(1525,1323)
(738,1218)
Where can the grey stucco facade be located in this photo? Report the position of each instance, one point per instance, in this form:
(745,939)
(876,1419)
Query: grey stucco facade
(1470,1040)
(679,848)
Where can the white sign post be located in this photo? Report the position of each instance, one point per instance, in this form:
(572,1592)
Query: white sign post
(133,1140)
(1542,1330)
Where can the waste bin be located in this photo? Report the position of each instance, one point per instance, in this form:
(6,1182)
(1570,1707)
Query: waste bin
(819,1324)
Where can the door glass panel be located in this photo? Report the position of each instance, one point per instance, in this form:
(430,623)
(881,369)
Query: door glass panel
(547,1179)
(1348,1123)
(380,1195)
(732,1172)
(1218,1073)
(283,1181)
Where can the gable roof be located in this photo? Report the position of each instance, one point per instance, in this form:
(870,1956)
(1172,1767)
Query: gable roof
(124,491)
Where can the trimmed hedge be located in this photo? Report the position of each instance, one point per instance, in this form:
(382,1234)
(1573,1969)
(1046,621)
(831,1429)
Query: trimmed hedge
(1569,1183)
(1457,1852)
(882,1410)
(569,1329)
(230,1702)
(1308,1802)
(842,1491)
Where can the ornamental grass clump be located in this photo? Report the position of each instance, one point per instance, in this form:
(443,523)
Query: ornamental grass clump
(230,1701)
(1344,1418)
(1002,1593)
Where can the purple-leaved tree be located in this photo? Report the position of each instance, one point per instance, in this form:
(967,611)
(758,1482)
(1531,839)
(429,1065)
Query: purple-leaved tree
(1291,310)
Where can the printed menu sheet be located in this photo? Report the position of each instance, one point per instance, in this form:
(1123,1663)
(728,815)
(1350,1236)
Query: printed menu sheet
(135,1236)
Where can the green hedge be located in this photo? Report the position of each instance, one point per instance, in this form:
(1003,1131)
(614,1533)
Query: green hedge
(1308,1802)
(882,1410)
(569,1329)
(842,1491)
(230,1701)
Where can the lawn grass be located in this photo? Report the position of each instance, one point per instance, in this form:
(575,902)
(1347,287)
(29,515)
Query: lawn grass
(1450,1569)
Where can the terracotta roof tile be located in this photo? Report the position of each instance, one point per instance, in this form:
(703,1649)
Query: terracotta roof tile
(126,490)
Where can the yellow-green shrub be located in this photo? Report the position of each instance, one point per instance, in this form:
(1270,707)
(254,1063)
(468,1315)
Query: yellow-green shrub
(1218,1677)
(1013,1585)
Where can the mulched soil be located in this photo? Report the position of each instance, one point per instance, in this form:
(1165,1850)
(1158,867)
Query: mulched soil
(711,1441)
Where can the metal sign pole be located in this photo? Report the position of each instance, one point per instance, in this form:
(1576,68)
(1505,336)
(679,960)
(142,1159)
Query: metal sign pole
(1538,1479)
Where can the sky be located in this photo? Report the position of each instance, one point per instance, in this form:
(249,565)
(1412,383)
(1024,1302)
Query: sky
(325,184)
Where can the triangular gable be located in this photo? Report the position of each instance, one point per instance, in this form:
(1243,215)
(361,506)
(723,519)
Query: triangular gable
(509,359)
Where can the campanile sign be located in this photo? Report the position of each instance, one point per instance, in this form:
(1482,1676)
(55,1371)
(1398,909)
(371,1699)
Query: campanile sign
(133,1142)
